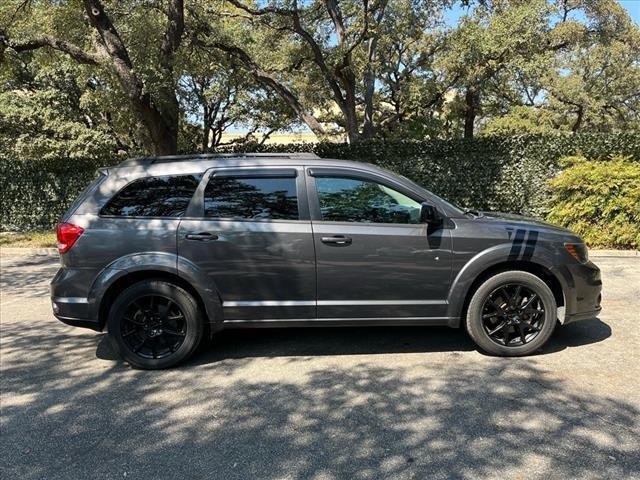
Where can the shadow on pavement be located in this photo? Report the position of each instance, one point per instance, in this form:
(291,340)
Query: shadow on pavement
(64,416)
(288,342)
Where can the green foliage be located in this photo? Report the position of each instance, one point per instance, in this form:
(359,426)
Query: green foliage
(502,173)
(35,194)
(599,200)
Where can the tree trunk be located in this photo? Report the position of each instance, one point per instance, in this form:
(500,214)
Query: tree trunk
(578,123)
(206,130)
(470,111)
(160,123)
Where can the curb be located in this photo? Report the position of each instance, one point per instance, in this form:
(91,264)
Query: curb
(28,251)
(613,253)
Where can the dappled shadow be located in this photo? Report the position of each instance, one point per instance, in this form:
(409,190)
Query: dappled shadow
(403,402)
(286,342)
(26,276)
(315,342)
(233,413)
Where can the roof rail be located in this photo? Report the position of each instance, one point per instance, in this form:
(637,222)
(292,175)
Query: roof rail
(140,161)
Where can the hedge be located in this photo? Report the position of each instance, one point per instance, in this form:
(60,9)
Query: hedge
(599,200)
(503,173)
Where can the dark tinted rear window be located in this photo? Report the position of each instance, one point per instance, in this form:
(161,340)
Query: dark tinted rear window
(166,196)
(251,198)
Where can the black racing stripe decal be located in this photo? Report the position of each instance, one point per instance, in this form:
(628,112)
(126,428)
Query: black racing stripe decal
(517,244)
(530,246)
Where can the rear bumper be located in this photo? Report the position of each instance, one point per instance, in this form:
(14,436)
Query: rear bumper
(80,322)
(74,311)
(582,288)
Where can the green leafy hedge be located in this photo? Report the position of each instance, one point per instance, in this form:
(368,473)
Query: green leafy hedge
(504,173)
(599,200)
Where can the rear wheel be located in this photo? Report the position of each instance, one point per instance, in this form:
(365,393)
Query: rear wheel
(155,324)
(512,314)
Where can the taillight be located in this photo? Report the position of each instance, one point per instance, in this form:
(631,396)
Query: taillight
(67,234)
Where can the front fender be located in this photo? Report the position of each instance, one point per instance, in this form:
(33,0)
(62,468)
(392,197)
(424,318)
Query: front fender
(487,259)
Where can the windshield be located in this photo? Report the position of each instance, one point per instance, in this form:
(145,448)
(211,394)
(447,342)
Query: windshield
(449,204)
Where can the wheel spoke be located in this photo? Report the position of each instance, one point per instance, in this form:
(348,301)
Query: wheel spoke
(497,329)
(164,310)
(131,320)
(533,297)
(505,337)
(499,308)
(523,334)
(174,333)
(140,345)
(516,295)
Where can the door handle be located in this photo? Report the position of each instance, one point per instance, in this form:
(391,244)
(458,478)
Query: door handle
(202,236)
(337,240)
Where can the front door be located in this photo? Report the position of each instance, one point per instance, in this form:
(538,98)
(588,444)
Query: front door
(375,259)
(249,230)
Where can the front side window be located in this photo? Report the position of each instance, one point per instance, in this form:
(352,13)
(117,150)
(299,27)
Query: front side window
(272,198)
(166,196)
(354,200)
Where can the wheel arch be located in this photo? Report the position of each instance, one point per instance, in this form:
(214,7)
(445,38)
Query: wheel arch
(129,270)
(472,276)
(130,278)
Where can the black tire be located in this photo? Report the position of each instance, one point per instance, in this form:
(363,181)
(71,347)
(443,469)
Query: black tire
(146,312)
(499,319)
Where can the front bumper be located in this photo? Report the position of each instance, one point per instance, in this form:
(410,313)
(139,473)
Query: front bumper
(582,288)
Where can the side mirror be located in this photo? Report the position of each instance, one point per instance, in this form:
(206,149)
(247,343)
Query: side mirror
(429,214)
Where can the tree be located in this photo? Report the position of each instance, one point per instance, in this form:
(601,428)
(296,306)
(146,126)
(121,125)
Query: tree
(340,40)
(158,112)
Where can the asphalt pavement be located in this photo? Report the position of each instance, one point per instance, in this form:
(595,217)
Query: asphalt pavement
(319,403)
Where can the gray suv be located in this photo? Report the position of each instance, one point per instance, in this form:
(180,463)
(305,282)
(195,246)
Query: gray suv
(166,251)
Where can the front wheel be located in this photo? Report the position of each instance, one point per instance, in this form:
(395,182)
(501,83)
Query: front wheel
(512,314)
(155,324)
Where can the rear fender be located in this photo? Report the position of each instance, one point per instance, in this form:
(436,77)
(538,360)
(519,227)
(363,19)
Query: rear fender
(157,262)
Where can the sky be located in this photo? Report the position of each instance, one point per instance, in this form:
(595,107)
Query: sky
(633,7)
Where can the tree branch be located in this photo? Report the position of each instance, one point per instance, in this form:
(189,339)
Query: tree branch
(48,41)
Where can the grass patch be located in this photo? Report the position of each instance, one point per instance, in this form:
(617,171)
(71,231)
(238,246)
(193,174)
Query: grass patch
(43,239)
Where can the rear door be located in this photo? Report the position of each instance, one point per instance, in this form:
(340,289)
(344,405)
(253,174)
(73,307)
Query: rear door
(249,230)
(375,259)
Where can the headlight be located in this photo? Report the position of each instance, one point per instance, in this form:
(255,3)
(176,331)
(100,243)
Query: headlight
(578,251)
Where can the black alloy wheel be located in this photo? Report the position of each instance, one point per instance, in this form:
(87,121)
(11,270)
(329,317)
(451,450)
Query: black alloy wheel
(153,326)
(513,315)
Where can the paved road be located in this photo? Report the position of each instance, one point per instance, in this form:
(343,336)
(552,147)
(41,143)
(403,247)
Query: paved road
(320,403)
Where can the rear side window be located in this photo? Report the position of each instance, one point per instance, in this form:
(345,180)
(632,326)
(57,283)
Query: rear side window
(271,198)
(166,196)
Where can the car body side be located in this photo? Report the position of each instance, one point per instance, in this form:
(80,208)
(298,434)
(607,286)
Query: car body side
(114,253)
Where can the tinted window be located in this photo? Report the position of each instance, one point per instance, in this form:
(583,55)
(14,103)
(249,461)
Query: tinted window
(254,198)
(351,200)
(154,197)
